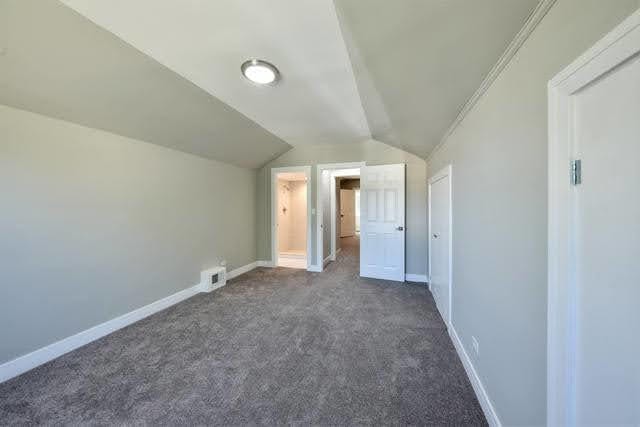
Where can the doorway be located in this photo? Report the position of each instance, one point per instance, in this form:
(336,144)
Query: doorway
(440,242)
(331,214)
(291,217)
(594,235)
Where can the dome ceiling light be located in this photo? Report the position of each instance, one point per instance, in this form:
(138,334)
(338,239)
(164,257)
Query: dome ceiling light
(260,72)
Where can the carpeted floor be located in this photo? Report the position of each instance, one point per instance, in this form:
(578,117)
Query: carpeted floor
(275,346)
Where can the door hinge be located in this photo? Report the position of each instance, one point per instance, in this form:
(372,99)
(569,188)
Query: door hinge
(576,172)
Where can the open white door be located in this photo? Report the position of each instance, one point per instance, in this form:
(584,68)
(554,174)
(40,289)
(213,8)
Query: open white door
(594,235)
(382,222)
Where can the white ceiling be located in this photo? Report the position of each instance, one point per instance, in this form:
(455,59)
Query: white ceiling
(168,71)
(316,101)
(418,61)
(56,62)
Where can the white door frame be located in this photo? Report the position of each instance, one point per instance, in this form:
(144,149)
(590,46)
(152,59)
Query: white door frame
(616,47)
(444,172)
(274,208)
(321,261)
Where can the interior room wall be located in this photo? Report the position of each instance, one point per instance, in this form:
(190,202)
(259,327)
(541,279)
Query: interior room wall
(284,214)
(338,186)
(499,157)
(326,213)
(374,153)
(95,225)
(298,236)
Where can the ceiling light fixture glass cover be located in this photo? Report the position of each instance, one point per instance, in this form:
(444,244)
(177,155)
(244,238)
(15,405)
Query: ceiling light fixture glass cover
(260,72)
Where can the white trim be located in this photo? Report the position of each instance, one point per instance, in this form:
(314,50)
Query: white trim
(319,237)
(418,278)
(326,261)
(274,214)
(529,26)
(292,256)
(616,47)
(241,270)
(43,355)
(264,263)
(315,268)
(442,173)
(481,393)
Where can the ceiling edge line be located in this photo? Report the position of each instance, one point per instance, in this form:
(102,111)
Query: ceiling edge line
(129,138)
(170,69)
(353,73)
(532,22)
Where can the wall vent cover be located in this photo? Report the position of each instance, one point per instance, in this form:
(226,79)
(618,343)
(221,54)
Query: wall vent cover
(213,278)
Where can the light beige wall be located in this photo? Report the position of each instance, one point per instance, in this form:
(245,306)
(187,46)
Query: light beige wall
(284,214)
(94,225)
(298,236)
(326,213)
(374,153)
(499,157)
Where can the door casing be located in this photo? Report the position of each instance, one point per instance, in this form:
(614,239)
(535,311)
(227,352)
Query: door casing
(615,48)
(274,214)
(447,171)
(320,261)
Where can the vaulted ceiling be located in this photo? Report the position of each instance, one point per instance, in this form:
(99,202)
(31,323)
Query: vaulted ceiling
(418,61)
(168,71)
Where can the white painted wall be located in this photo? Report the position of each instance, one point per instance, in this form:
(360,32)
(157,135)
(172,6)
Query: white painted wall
(95,225)
(374,153)
(499,155)
(292,222)
(298,236)
(284,215)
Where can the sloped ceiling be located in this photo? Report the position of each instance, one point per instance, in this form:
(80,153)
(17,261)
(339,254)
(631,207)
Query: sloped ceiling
(206,41)
(418,61)
(57,63)
(168,71)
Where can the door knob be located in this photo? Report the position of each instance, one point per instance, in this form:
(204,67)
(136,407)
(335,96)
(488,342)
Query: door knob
(435,236)
(400,228)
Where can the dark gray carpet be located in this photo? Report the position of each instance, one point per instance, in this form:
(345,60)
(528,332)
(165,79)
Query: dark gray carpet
(275,346)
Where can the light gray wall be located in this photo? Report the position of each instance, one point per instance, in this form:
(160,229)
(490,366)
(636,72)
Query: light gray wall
(326,214)
(374,153)
(499,157)
(94,225)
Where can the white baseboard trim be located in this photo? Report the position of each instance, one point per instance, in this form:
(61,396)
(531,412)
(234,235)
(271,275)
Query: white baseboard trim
(263,263)
(314,268)
(420,278)
(292,256)
(38,357)
(241,270)
(326,261)
(481,393)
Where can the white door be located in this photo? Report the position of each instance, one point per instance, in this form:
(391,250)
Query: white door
(347,213)
(382,222)
(440,241)
(594,257)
